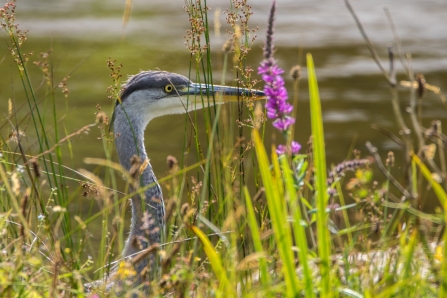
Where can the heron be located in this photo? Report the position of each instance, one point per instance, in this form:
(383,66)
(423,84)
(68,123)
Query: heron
(145,96)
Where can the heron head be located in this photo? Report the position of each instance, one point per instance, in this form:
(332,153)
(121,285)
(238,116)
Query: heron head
(151,94)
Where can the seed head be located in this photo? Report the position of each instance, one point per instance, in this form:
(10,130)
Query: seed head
(101,118)
(228,45)
(390,159)
(421,85)
(295,72)
(36,168)
(134,171)
(171,161)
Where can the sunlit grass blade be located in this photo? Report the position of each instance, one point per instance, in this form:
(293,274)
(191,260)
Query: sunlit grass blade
(298,229)
(319,158)
(437,188)
(12,197)
(278,217)
(213,257)
(408,252)
(251,218)
(442,197)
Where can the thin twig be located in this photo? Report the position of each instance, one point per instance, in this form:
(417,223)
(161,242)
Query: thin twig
(389,134)
(66,177)
(392,69)
(23,155)
(395,98)
(435,89)
(412,109)
(50,92)
(391,81)
(87,127)
(368,42)
(396,39)
(373,151)
(441,153)
(415,122)
(114,263)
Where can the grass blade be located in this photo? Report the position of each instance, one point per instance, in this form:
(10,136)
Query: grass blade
(265,278)
(298,229)
(214,259)
(276,205)
(319,158)
(442,197)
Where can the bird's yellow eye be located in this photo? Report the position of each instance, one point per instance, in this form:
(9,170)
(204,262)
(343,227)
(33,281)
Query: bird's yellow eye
(169,88)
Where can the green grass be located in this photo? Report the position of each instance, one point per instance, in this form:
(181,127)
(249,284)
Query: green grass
(243,221)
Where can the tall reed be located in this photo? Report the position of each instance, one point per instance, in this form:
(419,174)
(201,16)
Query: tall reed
(243,218)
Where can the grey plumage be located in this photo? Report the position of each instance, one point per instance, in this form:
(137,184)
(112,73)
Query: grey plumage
(152,80)
(145,96)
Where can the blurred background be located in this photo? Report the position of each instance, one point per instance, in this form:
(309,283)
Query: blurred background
(83,34)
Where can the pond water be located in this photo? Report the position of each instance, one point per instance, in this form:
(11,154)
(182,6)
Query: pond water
(83,34)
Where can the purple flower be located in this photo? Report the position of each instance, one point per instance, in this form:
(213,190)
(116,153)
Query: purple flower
(277,106)
(283,123)
(281,149)
(294,148)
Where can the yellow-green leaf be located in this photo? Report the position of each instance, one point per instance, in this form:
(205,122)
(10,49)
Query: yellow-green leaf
(213,257)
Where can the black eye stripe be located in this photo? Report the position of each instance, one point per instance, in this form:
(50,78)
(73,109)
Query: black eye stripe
(153,80)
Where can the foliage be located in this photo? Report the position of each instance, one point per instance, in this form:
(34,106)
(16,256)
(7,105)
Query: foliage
(243,220)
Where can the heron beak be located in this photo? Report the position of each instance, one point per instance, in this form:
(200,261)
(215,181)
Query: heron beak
(221,93)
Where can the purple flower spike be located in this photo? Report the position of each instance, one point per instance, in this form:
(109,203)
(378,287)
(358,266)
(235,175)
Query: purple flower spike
(277,106)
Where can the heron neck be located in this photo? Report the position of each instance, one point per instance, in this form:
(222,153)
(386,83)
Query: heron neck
(129,139)
(147,207)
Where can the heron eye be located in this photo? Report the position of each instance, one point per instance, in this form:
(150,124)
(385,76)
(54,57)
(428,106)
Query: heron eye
(169,88)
